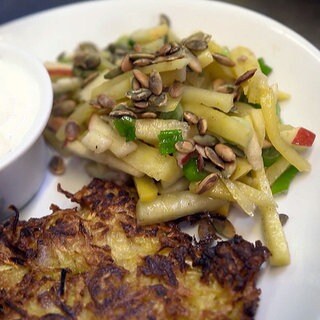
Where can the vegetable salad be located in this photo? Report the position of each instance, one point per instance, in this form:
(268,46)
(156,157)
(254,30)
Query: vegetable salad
(194,123)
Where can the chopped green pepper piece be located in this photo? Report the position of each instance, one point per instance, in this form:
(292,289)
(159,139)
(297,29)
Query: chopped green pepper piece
(255,105)
(270,156)
(126,127)
(131,42)
(283,182)
(191,171)
(167,140)
(264,67)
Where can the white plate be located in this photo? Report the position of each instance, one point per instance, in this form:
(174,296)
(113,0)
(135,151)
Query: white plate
(287,293)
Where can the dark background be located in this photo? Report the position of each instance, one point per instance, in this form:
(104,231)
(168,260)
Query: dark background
(303,16)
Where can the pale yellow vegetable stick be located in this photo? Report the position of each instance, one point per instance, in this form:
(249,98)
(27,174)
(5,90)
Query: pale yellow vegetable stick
(217,70)
(209,98)
(256,196)
(149,160)
(253,151)
(106,86)
(149,35)
(86,93)
(220,191)
(168,77)
(272,229)
(146,188)
(171,104)
(148,129)
(96,141)
(283,96)
(119,146)
(106,158)
(117,91)
(224,210)
(181,185)
(166,66)
(239,197)
(172,206)
(242,168)
(256,118)
(214,47)
(233,129)
(268,103)
(153,45)
(122,83)
(205,58)
(276,169)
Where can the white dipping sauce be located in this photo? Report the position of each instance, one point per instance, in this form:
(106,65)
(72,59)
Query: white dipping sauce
(19,104)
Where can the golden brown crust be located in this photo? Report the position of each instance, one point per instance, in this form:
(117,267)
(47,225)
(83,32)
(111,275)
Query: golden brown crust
(95,262)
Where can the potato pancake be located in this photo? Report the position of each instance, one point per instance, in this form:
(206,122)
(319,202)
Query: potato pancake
(94,262)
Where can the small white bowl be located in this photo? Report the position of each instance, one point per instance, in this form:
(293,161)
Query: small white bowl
(23,163)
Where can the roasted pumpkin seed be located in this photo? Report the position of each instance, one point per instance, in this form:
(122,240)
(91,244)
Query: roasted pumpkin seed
(202,126)
(72,131)
(205,140)
(185,146)
(141,94)
(176,89)
(64,108)
(283,218)
(164,50)
(224,227)
(57,166)
(229,169)
(105,102)
(223,60)
(158,101)
(141,77)
(245,76)
(206,230)
(225,152)
(213,157)
(148,115)
(190,117)
(126,64)
(155,82)
(207,183)
(121,113)
(196,44)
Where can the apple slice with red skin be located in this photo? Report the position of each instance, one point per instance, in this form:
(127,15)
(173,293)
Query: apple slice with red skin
(299,136)
(57,69)
(60,72)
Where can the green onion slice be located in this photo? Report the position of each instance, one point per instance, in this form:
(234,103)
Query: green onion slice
(126,127)
(167,140)
(191,171)
(283,182)
(264,67)
(270,156)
